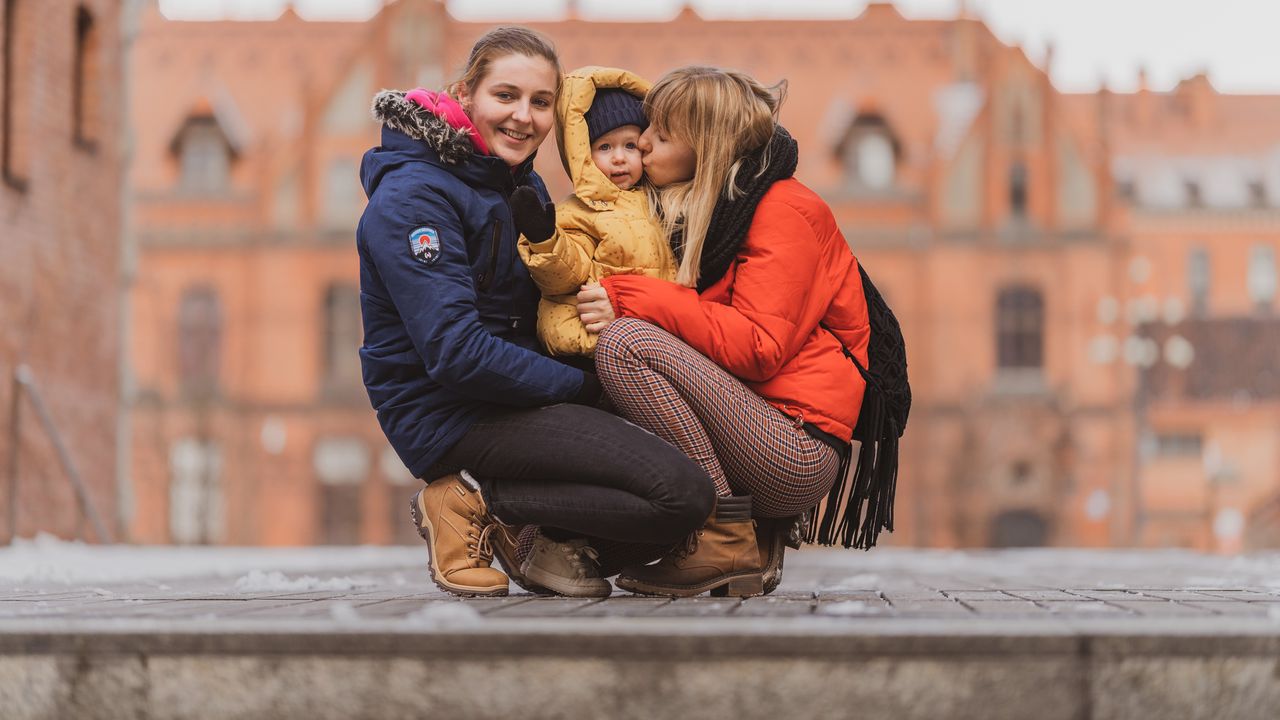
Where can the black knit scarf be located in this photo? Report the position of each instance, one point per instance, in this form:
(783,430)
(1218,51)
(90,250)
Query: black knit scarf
(732,218)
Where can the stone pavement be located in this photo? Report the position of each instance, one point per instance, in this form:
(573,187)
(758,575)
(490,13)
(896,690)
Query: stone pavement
(890,633)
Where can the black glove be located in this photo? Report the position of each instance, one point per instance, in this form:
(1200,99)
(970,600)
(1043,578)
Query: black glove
(533,219)
(590,392)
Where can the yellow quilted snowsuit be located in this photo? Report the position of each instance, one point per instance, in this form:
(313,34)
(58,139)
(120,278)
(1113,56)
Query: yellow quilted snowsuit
(600,229)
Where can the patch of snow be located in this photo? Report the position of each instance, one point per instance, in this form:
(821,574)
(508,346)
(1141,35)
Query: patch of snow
(343,612)
(846,607)
(444,615)
(276,581)
(1273,612)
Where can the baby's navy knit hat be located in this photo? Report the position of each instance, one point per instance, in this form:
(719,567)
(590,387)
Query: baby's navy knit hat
(613,108)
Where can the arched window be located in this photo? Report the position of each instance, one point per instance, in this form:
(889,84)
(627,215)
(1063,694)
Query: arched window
(1019,328)
(86,85)
(870,154)
(204,156)
(199,341)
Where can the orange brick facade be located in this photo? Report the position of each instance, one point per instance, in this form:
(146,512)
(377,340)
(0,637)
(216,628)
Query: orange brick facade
(1023,236)
(61,179)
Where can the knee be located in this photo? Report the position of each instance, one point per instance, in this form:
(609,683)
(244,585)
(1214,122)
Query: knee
(621,337)
(690,498)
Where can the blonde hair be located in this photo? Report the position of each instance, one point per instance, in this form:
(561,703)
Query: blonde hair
(724,116)
(499,43)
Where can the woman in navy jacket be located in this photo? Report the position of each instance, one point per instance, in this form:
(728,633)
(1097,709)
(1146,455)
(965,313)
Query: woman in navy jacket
(450,359)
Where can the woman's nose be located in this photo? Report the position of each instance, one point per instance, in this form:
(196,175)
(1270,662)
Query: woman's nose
(643,143)
(521,112)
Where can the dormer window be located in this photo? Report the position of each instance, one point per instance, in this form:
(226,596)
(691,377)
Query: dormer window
(870,154)
(204,157)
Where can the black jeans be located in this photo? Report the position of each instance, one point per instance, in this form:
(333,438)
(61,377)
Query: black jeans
(584,471)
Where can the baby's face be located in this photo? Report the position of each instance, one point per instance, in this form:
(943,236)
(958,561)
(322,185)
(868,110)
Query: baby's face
(617,155)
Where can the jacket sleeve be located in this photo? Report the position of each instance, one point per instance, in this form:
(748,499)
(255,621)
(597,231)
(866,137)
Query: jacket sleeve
(761,328)
(560,264)
(436,301)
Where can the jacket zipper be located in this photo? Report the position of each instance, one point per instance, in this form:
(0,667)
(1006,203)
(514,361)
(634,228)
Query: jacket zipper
(487,278)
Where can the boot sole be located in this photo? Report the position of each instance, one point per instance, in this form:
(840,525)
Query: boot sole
(424,529)
(552,584)
(746,584)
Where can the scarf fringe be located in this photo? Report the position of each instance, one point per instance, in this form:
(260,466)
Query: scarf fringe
(855,513)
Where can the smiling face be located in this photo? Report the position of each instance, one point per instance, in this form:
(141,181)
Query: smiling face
(617,154)
(666,159)
(511,106)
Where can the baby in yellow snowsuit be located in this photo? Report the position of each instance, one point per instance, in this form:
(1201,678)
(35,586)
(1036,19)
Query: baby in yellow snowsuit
(605,227)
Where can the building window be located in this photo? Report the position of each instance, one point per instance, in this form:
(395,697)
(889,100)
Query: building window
(86,84)
(1179,445)
(1018,191)
(342,339)
(1261,280)
(204,156)
(1019,528)
(1198,280)
(341,466)
(869,152)
(400,485)
(15,74)
(342,194)
(1019,328)
(196,511)
(199,341)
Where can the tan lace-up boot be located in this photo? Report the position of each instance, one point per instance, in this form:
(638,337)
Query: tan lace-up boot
(451,517)
(722,558)
(566,568)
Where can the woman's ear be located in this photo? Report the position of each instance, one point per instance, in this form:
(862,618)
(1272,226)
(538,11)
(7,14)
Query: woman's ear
(463,95)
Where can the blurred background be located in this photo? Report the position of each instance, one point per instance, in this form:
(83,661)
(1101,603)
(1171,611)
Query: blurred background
(1074,209)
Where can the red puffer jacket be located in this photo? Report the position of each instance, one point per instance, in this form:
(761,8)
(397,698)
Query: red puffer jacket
(760,321)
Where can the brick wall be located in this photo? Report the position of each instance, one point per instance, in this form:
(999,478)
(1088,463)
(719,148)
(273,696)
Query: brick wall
(60,239)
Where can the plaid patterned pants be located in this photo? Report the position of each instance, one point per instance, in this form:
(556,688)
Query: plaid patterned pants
(745,445)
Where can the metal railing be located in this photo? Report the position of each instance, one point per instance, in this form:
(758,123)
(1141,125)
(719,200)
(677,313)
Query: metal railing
(24,385)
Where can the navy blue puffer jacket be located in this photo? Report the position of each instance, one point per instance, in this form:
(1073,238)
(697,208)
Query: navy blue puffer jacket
(449,309)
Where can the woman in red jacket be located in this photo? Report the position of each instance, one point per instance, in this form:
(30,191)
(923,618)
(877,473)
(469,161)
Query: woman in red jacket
(739,363)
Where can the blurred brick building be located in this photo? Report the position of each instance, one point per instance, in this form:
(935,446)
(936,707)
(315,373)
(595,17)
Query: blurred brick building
(61,179)
(1084,280)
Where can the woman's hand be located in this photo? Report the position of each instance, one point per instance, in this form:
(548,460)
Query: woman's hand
(594,308)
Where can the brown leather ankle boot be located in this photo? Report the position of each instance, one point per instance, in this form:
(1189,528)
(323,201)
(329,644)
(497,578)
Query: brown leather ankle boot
(722,558)
(774,536)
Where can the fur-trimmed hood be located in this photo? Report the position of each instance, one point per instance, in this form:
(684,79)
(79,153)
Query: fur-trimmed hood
(394,110)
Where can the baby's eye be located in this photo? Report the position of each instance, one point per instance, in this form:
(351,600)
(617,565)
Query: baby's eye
(631,146)
(604,147)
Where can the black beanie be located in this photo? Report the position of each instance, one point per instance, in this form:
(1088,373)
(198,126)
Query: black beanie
(613,108)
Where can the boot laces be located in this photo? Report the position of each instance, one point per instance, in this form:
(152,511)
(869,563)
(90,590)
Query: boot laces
(579,556)
(689,546)
(479,546)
